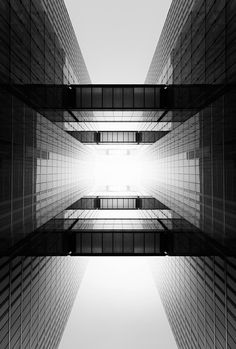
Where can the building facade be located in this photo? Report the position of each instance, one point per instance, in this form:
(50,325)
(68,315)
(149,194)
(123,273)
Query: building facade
(40,162)
(193,171)
(36,297)
(198,295)
(197,157)
(39,171)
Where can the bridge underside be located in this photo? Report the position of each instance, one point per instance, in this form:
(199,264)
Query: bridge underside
(80,231)
(119,97)
(164,232)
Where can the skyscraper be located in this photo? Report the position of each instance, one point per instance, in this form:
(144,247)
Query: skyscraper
(197,45)
(38,161)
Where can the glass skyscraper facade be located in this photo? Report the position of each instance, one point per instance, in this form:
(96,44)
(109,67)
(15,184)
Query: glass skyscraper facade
(39,162)
(197,157)
(198,294)
(37,294)
(39,172)
(198,182)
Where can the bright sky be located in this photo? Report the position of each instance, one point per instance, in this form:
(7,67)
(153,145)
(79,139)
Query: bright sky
(118,37)
(118,307)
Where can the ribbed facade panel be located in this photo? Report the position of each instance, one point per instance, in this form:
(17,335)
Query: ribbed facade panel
(199,298)
(36,297)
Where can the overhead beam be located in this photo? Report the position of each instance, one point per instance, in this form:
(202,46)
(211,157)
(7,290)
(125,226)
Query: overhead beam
(117,137)
(118,97)
(117,243)
(117,203)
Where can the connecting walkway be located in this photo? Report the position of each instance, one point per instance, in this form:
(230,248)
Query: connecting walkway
(118,97)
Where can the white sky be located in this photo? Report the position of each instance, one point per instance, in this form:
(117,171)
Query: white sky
(118,307)
(118,37)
